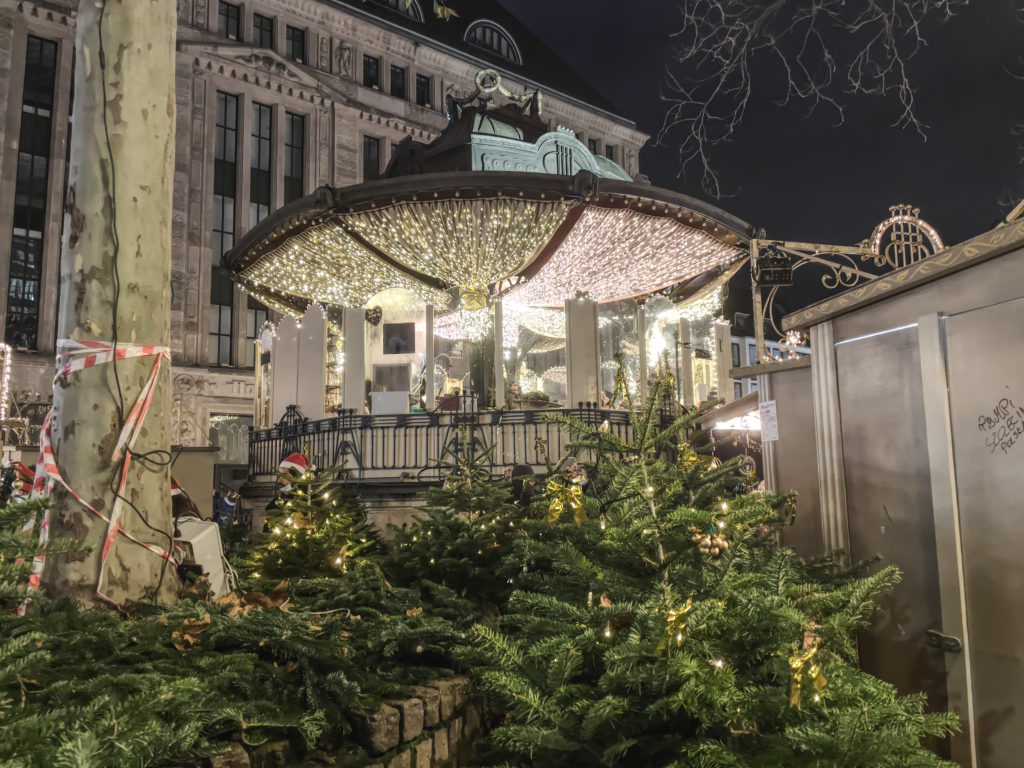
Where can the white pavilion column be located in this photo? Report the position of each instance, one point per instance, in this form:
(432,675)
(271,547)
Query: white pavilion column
(353,393)
(499,355)
(581,352)
(723,361)
(641,338)
(311,371)
(428,356)
(685,362)
(284,366)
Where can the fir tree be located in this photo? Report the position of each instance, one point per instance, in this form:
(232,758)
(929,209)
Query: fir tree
(464,538)
(660,624)
(317,528)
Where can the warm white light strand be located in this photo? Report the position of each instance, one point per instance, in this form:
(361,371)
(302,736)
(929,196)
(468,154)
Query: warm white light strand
(615,254)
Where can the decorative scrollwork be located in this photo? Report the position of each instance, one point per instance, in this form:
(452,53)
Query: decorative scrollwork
(903,239)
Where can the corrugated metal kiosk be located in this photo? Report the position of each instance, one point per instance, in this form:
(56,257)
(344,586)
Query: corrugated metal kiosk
(915,396)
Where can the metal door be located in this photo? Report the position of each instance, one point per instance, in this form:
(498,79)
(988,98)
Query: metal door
(888,497)
(985,370)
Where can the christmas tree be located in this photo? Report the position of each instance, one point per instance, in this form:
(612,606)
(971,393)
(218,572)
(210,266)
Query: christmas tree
(660,624)
(465,534)
(315,528)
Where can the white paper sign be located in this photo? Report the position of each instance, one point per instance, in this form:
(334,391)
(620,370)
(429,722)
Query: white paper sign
(769,421)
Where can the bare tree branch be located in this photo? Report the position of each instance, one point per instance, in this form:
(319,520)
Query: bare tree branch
(826,51)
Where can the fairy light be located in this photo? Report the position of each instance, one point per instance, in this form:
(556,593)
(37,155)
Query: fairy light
(465,242)
(542,320)
(464,325)
(605,250)
(324,264)
(5,384)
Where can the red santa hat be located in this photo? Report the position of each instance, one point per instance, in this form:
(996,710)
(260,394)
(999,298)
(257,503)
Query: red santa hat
(26,474)
(176,489)
(293,464)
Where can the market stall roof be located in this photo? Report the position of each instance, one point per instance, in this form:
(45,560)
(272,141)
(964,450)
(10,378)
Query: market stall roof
(443,235)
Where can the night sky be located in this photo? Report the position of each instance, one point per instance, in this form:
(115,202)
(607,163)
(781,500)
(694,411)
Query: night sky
(799,177)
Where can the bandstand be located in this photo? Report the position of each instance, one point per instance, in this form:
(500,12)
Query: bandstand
(493,276)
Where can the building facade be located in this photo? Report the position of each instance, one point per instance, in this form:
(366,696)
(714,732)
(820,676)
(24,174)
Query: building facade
(274,99)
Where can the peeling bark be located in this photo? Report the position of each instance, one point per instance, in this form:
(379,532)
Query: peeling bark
(130,184)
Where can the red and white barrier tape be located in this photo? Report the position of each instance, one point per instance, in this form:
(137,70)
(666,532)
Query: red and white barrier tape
(78,356)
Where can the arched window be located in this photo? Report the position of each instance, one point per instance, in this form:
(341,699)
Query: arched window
(410,8)
(491,37)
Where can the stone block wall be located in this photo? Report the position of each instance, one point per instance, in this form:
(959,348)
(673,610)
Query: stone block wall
(435,727)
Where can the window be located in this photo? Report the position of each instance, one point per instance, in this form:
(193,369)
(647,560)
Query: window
(751,354)
(259,180)
(399,338)
(609,152)
(735,354)
(753,385)
(30,188)
(398,82)
(294,156)
(225,175)
(255,317)
(424,91)
(262,31)
(371,158)
(737,390)
(229,15)
(295,44)
(409,8)
(592,146)
(371,72)
(491,37)
(222,294)
(225,181)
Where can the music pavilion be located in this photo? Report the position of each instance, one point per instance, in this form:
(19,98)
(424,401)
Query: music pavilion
(503,263)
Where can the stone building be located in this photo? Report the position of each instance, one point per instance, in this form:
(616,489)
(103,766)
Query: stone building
(274,98)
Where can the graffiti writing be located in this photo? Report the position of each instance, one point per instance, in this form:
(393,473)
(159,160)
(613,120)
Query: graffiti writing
(1003,427)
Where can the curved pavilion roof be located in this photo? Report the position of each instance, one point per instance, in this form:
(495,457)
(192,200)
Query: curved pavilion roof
(552,235)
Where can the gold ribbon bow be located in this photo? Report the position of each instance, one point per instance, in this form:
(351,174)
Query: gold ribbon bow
(675,626)
(563,496)
(801,662)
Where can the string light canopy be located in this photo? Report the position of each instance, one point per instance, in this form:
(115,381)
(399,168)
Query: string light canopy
(614,254)
(451,236)
(469,243)
(329,267)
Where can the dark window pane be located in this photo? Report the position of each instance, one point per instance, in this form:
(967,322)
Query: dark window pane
(423,91)
(221,318)
(31,182)
(398,82)
(592,146)
(294,156)
(262,31)
(262,138)
(371,158)
(609,152)
(295,44)
(493,39)
(228,16)
(371,72)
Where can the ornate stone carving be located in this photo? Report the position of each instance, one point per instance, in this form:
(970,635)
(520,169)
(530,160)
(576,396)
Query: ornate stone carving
(342,58)
(325,53)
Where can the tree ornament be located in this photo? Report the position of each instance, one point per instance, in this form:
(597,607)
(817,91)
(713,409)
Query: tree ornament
(801,661)
(675,627)
(711,542)
(563,497)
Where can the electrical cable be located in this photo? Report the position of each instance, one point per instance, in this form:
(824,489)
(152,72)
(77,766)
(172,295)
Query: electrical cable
(146,457)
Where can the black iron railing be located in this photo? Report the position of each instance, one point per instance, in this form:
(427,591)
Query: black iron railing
(409,446)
